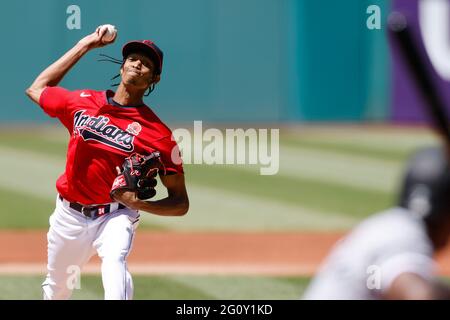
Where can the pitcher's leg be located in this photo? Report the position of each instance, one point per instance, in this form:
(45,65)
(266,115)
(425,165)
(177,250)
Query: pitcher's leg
(113,245)
(69,247)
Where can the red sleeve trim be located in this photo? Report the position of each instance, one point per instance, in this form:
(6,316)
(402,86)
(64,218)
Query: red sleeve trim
(42,95)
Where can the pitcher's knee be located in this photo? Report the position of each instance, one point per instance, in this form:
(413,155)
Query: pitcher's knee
(115,264)
(114,258)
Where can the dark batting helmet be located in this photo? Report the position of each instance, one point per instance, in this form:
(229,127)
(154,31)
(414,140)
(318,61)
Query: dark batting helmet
(426,186)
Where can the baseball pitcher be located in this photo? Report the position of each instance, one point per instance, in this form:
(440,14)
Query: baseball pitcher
(117,148)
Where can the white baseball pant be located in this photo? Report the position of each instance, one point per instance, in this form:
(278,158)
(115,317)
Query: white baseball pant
(73,239)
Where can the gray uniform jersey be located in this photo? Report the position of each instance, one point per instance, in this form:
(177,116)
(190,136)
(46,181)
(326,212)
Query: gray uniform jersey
(367,261)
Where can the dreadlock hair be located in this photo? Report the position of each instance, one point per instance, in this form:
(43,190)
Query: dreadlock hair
(121,62)
(150,89)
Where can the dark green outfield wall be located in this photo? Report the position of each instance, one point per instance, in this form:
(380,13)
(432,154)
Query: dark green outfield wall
(225,60)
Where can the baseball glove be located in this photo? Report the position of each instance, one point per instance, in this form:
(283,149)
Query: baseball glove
(138,174)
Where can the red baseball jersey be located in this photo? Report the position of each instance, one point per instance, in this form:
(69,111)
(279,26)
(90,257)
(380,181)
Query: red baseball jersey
(102,135)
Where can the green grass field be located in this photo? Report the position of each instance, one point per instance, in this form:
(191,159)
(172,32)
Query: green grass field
(329,179)
(168,287)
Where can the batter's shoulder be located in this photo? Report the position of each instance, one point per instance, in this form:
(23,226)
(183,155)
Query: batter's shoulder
(395,225)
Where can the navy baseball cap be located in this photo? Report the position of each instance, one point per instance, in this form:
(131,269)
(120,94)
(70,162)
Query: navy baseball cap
(149,48)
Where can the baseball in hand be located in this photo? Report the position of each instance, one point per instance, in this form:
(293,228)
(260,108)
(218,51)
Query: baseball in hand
(110,34)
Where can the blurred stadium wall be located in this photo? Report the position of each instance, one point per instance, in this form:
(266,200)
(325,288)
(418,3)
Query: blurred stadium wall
(429,23)
(225,60)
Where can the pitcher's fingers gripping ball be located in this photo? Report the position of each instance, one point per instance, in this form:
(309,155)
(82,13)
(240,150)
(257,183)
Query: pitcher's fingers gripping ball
(138,174)
(109,35)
